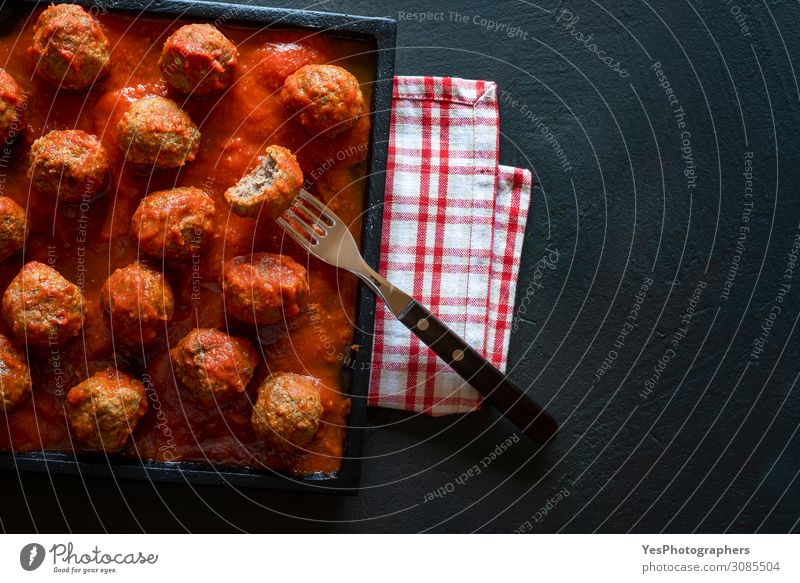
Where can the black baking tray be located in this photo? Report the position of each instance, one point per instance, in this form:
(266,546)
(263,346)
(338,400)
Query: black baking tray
(381,33)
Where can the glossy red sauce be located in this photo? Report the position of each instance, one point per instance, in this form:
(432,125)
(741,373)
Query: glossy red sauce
(87,242)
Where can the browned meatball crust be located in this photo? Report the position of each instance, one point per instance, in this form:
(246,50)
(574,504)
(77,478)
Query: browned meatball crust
(15,377)
(287,410)
(174,223)
(264,288)
(324,98)
(12,104)
(138,302)
(104,409)
(13,227)
(155,131)
(42,307)
(68,164)
(214,366)
(69,47)
(270,187)
(199,59)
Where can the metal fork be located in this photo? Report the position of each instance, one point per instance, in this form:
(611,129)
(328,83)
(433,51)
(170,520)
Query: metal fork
(318,230)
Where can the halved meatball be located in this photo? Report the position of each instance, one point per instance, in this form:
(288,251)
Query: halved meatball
(214,366)
(104,409)
(264,288)
(68,164)
(173,223)
(69,47)
(324,98)
(12,103)
(155,131)
(42,307)
(13,227)
(138,302)
(199,59)
(15,377)
(287,410)
(270,187)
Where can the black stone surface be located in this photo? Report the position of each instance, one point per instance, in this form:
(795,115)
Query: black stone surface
(680,426)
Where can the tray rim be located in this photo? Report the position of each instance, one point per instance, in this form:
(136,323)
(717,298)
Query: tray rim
(383,33)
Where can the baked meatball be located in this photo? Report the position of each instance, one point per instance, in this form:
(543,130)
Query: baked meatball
(15,377)
(325,98)
(213,366)
(156,132)
(173,223)
(199,59)
(42,307)
(68,164)
(287,410)
(104,409)
(12,102)
(270,187)
(138,303)
(69,47)
(13,227)
(264,288)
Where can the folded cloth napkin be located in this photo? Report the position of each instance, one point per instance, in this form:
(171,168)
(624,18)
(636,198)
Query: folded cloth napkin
(453,226)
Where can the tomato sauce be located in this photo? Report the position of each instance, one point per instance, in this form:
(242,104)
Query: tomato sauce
(87,241)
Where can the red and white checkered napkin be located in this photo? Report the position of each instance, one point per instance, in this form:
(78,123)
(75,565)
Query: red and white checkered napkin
(453,226)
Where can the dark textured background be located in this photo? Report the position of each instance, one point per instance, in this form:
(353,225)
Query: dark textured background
(714,446)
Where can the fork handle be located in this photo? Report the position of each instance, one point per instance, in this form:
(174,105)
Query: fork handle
(495,387)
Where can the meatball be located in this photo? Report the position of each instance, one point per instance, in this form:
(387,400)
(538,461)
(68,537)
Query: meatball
(68,164)
(41,307)
(13,227)
(69,46)
(287,410)
(156,132)
(138,303)
(199,59)
(325,98)
(15,377)
(12,103)
(104,409)
(173,223)
(213,366)
(270,187)
(264,288)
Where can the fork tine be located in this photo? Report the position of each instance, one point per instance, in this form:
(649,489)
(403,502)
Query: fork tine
(312,201)
(290,230)
(303,223)
(306,215)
